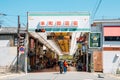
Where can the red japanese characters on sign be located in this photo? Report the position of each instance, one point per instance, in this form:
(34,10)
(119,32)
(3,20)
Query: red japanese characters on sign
(75,23)
(66,23)
(58,23)
(50,23)
(42,23)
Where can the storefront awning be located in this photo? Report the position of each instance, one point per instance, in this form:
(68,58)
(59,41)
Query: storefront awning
(111,30)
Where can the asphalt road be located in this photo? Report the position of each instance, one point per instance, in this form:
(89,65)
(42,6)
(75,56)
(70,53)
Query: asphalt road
(64,76)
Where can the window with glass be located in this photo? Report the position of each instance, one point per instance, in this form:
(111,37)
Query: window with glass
(112,38)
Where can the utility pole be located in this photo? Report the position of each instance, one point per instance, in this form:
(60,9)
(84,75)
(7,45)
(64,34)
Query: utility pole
(26,46)
(18,33)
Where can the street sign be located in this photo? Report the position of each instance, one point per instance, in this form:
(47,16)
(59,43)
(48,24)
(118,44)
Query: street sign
(21,49)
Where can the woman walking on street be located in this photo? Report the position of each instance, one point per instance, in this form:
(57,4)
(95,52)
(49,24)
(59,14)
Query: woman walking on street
(65,66)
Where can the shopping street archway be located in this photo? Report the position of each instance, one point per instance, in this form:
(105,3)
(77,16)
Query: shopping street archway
(57,33)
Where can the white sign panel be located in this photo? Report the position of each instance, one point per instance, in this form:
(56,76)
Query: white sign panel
(78,21)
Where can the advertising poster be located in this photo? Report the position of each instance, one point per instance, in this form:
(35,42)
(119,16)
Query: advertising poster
(95,40)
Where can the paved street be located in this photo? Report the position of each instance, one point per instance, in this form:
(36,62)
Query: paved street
(57,76)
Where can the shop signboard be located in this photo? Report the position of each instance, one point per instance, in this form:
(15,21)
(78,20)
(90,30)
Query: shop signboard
(59,21)
(95,40)
(66,57)
(79,45)
(32,43)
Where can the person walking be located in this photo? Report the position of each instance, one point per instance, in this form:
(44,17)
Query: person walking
(60,63)
(79,66)
(65,66)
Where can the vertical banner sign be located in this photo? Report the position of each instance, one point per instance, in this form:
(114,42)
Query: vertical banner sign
(95,40)
(32,43)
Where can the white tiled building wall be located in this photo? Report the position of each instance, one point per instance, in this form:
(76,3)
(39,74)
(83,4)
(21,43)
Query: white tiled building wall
(111,61)
(7,55)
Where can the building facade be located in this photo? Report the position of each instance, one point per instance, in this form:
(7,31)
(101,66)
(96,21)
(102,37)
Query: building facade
(104,44)
(110,43)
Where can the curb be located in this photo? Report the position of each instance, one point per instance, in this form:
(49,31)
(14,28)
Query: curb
(11,75)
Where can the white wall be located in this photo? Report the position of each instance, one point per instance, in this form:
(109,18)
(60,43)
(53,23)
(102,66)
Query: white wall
(7,55)
(111,61)
(4,43)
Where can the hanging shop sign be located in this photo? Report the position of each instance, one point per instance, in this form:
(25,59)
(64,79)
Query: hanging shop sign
(66,57)
(32,43)
(79,45)
(81,39)
(62,21)
(95,40)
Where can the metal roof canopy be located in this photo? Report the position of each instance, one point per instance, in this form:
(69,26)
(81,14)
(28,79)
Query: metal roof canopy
(43,39)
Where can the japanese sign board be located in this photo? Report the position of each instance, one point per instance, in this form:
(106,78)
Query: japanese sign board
(56,21)
(95,40)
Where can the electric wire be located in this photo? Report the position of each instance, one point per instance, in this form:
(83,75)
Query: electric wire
(8,19)
(96,9)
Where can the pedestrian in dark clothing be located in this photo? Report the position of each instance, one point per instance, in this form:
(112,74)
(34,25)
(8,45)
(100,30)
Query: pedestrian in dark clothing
(60,63)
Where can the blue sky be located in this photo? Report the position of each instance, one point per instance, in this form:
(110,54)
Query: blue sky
(107,9)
